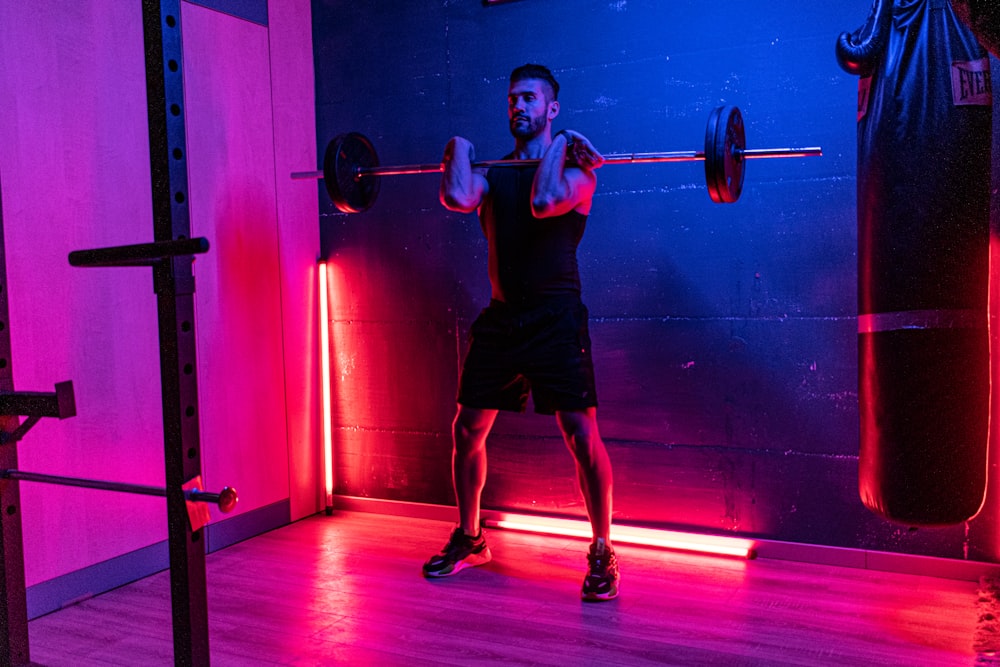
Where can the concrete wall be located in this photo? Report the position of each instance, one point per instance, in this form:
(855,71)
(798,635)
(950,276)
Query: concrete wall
(724,335)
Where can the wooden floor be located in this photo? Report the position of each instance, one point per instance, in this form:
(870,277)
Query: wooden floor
(347,590)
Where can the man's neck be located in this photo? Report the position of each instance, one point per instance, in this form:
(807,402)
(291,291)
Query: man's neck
(534,148)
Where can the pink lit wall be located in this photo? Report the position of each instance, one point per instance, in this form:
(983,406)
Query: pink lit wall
(250,124)
(293,110)
(74,173)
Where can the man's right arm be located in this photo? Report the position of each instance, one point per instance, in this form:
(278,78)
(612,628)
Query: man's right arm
(462,188)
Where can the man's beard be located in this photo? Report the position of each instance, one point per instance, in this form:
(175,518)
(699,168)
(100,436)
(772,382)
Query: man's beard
(529,130)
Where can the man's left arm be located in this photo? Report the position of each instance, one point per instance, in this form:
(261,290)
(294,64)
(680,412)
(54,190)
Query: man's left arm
(559,187)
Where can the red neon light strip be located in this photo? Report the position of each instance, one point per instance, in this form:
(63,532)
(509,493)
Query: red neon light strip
(324,335)
(664,539)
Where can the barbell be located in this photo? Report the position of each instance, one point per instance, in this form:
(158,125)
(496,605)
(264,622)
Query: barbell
(226,499)
(351,172)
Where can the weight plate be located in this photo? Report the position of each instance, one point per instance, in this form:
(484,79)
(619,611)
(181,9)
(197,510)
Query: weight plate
(725,142)
(345,155)
(711,157)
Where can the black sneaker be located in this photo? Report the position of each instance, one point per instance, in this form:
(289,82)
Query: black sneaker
(601,582)
(461,552)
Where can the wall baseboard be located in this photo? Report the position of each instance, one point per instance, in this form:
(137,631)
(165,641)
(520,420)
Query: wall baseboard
(250,524)
(881,561)
(79,585)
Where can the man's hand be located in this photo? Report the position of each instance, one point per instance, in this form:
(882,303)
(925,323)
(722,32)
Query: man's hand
(459,146)
(462,188)
(581,152)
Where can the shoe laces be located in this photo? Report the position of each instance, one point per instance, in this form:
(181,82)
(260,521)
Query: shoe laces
(600,557)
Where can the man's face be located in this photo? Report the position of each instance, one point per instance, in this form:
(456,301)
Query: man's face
(529,108)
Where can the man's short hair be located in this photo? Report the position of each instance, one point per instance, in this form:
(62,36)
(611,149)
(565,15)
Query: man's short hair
(540,72)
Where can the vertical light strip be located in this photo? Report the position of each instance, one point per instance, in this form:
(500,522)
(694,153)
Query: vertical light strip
(991,329)
(324,355)
(664,539)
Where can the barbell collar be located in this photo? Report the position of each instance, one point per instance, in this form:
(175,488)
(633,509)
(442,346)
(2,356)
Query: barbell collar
(226,499)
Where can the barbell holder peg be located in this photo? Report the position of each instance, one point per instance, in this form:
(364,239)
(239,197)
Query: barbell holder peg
(351,169)
(225,500)
(140,254)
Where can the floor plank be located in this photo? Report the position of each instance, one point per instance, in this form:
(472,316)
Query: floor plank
(347,590)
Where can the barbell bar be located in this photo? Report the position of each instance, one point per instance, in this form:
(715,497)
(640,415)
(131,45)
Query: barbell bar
(351,170)
(226,499)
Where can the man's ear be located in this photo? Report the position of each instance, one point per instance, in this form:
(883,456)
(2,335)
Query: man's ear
(553,109)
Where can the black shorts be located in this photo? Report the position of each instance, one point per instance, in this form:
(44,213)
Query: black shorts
(544,351)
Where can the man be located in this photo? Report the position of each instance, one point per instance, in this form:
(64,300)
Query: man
(533,337)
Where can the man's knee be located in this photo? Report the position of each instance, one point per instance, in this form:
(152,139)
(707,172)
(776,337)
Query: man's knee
(470,428)
(580,433)
(584,448)
(577,422)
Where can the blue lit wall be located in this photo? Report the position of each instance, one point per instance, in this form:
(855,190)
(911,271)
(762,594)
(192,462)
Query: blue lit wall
(724,335)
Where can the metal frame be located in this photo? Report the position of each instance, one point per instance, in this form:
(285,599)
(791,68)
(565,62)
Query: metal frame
(13,595)
(173,280)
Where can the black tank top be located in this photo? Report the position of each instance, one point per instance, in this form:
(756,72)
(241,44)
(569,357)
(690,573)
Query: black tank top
(530,259)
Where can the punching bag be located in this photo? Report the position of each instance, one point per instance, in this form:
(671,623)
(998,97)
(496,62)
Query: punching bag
(924,141)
